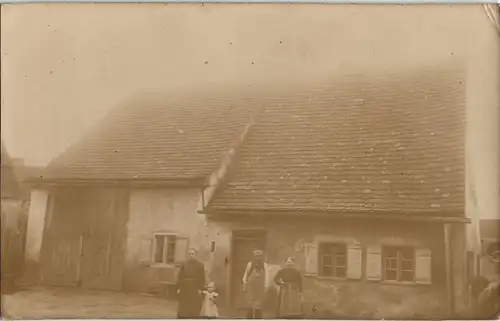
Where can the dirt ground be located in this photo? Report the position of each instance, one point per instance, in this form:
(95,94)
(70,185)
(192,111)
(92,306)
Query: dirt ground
(67,303)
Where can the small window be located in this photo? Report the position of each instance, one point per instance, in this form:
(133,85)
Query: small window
(333,260)
(164,248)
(399,264)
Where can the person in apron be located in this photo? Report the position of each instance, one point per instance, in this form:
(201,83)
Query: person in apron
(190,283)
(255,281)
(290,297)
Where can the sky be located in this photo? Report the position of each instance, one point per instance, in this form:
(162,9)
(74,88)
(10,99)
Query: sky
(65,65)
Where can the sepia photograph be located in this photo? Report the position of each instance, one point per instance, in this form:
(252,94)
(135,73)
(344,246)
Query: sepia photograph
(250,161)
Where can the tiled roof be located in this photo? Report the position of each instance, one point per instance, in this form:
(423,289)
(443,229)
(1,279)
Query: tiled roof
(392,142)
(10,185)
(156,137)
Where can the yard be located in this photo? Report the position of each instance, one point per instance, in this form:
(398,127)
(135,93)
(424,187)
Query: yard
(70,303)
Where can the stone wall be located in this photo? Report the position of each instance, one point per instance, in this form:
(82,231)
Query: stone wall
(350,298)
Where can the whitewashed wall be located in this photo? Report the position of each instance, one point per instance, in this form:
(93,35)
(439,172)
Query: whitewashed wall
(36,222)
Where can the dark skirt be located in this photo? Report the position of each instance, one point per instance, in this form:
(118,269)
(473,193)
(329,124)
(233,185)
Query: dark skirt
(289,301)
(189,300)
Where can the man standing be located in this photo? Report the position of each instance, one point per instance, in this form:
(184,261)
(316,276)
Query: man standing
(255,281)
(190,283)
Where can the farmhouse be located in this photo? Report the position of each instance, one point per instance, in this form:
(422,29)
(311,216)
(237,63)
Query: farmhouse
(360,178)
(362,182)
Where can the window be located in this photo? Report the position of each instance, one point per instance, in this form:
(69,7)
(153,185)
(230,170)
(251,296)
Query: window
(398,264)
(332,260)
(164,248)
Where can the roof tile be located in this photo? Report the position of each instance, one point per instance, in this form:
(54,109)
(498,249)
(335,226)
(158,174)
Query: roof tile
(156,137)
(362,143)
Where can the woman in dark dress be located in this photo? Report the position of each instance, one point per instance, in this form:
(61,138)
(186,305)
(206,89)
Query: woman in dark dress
(289,280)
(190,283)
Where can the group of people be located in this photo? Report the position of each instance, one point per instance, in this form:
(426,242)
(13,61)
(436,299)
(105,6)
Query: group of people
(256,284)
(197,299)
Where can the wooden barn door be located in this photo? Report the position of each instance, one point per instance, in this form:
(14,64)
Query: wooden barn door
(103,244)
(101,265)
(61,258)
(61,244)
(243,245)
(84,238)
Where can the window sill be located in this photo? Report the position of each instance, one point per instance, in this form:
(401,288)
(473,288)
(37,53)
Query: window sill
(328,278)
(331,278)
(163,265)
(406,283)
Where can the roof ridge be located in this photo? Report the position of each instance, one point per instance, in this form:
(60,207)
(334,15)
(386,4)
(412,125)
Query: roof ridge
(254,118)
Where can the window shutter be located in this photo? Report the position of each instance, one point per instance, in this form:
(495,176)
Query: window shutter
(181,249)
(145,250)
(354,261)
(423,266)
(374,263)
(311,258)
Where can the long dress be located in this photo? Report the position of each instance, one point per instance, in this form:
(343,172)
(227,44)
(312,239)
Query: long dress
(190,283)
(209,309)
(289,297)
(255,281)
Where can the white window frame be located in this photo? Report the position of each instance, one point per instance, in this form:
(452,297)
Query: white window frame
(155,244)
(399,268)
(334,261)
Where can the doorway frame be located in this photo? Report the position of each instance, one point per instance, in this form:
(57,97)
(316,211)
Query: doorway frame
(234,236)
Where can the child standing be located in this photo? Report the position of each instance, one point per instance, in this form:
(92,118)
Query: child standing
(209,309)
